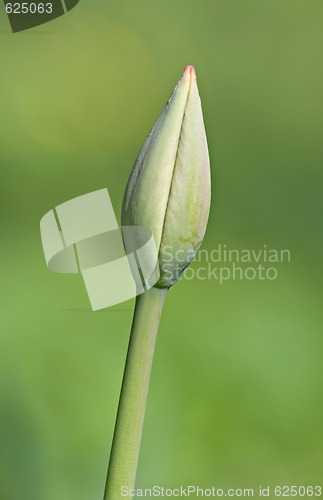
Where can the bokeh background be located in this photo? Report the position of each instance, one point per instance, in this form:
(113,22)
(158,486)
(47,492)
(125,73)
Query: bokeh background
(236,393)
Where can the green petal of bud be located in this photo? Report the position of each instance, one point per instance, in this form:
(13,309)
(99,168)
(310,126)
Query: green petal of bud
(169,187)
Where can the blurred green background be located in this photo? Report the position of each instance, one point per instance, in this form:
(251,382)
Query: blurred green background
(236,392)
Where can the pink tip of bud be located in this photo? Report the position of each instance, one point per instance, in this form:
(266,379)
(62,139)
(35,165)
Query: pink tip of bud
(189,71)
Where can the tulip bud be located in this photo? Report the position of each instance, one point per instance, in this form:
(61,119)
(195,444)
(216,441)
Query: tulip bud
(169,187)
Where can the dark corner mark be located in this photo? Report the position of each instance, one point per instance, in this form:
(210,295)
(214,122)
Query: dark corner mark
(25,15)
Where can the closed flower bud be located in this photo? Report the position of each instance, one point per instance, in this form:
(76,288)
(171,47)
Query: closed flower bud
(168,190)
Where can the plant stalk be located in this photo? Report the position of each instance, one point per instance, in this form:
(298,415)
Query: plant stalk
(132,404)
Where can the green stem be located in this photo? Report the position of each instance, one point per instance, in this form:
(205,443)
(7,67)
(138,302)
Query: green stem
(132,404)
